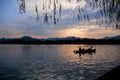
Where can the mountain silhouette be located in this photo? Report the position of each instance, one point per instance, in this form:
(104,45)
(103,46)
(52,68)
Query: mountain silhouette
(65,40)
(114,37)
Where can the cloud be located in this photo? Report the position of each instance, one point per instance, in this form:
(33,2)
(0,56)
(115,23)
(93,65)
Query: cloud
(9,30)
(67,25)
(88,32)
(30,5)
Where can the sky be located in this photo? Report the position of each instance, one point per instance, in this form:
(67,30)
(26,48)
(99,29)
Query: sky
(13,24)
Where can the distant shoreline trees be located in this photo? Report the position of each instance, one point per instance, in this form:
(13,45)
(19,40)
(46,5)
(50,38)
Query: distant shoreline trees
(70,40)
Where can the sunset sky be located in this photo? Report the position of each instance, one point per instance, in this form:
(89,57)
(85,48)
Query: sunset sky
(14,25)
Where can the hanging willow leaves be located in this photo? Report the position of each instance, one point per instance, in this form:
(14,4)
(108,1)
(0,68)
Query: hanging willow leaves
(36,10)
(109,9)
(45,17)
(69,1)
(54,12)
(78,16)
(43,5)
(60,9)
(21,6)
(49,4)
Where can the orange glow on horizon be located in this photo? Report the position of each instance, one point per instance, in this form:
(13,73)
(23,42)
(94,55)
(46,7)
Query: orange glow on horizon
(76,31)
(87,32)
(72,32)
(21,35)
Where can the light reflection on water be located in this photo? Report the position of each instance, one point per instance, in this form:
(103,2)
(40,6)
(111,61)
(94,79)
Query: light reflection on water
(55,62)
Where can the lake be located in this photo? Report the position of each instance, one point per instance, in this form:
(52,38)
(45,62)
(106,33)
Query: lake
(56,62)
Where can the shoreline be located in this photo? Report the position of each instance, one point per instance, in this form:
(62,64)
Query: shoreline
(62,43)
(113,74)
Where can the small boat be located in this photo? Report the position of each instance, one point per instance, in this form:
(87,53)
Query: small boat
(83,51)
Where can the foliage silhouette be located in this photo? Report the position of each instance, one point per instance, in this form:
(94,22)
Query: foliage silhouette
(110,9)
(30,40)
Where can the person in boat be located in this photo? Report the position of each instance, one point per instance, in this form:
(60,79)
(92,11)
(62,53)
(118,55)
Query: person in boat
(79,48)
(83,50)
(90,48)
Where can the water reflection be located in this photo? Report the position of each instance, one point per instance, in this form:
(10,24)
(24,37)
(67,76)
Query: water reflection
(55,62)
(101,12)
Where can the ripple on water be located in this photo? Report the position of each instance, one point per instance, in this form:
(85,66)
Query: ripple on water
(59,64)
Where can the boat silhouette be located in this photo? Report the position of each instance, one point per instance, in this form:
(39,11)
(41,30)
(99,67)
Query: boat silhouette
(83,50)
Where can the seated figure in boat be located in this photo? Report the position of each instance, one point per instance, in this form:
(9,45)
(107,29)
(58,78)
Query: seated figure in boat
(79,48)
(83,50)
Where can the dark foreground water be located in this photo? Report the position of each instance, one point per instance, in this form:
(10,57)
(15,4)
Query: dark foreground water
(55,62)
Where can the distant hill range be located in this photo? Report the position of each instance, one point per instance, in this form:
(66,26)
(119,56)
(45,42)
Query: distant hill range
(114,37)
(65,40)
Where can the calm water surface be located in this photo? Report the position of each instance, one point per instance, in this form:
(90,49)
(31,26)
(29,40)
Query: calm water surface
(55,62)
